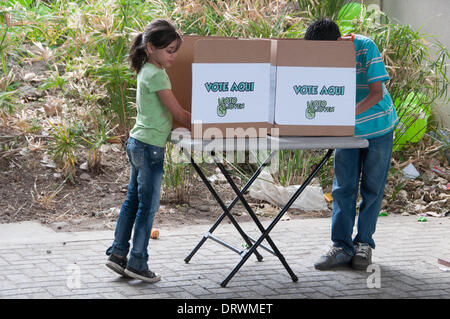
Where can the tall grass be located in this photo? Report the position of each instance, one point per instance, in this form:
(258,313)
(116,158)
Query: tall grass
(6,91)
(246,18)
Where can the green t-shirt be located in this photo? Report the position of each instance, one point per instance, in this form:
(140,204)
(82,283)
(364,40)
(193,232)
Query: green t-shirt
(153,120)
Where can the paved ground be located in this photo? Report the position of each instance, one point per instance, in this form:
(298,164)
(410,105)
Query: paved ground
(36,262)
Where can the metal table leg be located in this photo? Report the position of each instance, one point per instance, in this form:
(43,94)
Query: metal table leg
(226,212)
(275,221)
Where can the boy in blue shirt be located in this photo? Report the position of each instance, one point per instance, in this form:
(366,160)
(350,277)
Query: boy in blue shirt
(375,121)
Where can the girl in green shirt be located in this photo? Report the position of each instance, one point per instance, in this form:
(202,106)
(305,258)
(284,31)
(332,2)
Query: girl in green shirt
(151,52)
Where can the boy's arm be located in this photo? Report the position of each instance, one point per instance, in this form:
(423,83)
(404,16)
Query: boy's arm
(179,114)
(375,95)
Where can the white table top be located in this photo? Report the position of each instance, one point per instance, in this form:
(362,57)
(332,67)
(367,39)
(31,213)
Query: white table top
(182,138)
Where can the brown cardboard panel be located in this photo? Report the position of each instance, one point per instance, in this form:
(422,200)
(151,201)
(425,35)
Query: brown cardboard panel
(314,130)
(233,51)
(325,54)
(306,53)
(207,131)
(180,73)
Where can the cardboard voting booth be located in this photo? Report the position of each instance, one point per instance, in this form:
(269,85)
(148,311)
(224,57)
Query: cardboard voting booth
(315,88)
(248,87)
(233,88)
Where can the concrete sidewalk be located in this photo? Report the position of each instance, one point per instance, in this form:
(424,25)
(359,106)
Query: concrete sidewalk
(36,262)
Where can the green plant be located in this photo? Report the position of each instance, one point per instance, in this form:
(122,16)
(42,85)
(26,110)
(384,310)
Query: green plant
(416,63)
(296,165)
(111,45)
(54,82)
(177,173)
(118,82)
(6,103)
(7,93)
(314,9)
(91,40)
(99,135)
(63,146)
(418,76)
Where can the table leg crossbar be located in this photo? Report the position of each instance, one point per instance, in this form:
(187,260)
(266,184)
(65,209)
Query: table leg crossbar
(252,244)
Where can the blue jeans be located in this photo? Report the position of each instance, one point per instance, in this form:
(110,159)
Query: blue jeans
(370,166)
(141,204)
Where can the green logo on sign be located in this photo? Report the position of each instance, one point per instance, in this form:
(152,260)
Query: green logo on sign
(317,106)
(228,103)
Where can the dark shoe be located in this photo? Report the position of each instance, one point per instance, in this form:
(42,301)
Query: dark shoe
(335,257)
(118,264)
(145,275)
(363,256)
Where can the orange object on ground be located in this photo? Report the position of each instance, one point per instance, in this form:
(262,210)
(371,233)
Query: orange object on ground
(154,234)
(328,197)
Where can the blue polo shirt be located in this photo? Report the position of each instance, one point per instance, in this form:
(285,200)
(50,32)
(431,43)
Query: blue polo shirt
(380,118)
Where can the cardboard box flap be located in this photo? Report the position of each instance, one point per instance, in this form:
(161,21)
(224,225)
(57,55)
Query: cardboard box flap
(233,51)
(316,53)
(313,130)
(180,73)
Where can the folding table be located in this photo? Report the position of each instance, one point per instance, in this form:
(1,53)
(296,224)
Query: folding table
(272,145)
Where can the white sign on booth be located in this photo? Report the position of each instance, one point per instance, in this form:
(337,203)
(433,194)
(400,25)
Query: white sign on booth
(315,96)
(233,92)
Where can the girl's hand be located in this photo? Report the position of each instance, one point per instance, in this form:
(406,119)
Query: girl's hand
(179,114)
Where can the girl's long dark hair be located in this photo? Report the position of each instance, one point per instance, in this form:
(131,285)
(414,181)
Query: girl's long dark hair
(160,33)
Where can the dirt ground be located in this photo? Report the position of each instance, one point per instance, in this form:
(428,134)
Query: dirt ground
(32,189)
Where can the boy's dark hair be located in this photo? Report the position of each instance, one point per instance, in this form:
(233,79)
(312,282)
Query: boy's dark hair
(323,29)
(160,33)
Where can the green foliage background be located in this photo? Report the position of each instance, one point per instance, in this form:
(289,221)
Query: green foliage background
(84,45)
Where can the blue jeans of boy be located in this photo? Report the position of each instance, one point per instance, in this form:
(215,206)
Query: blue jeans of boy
(368,167)
(141,204)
